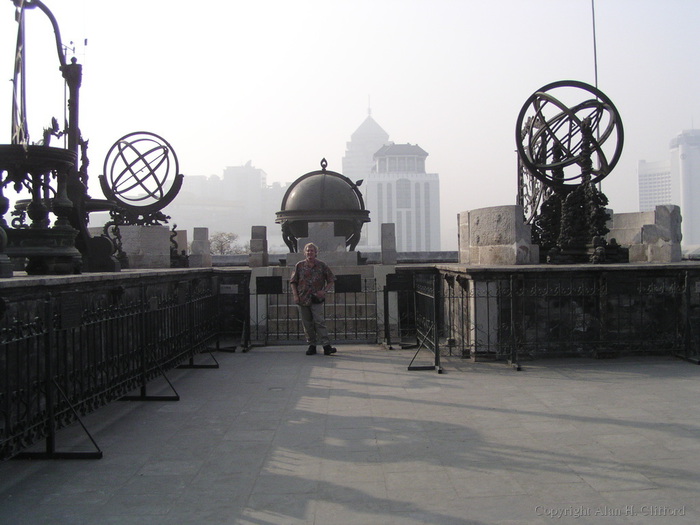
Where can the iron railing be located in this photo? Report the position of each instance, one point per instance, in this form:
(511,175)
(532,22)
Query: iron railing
(596,313)
(70,345)
(68,352)
(351,316)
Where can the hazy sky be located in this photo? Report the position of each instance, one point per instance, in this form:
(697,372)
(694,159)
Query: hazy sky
(285,83)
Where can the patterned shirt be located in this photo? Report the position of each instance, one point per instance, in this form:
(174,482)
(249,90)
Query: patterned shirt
(310,279)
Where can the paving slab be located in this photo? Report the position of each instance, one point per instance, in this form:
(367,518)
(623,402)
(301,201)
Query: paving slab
(277,437)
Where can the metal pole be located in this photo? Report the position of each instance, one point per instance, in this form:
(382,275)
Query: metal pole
(595,47)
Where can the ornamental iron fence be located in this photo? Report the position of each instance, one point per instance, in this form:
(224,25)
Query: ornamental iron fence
(70,345)
(539,314)
(65,353)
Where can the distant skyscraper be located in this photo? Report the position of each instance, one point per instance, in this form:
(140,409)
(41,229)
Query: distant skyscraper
(396,189)
(654,184)
(233,203)
(676,181)
(364,143)
(400,191)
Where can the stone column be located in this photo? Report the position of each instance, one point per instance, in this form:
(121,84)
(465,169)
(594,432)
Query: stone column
(258,256)
(388,243)
(201,249)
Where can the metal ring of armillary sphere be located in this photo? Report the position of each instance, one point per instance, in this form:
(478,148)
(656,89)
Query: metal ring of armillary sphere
(561,125)
(137,171)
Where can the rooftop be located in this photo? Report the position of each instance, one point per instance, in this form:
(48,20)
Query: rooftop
(400,150)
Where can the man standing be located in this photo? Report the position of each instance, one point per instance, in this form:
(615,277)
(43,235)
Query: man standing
(310,281)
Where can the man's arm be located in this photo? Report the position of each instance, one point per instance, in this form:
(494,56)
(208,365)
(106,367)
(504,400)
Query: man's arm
(330,281)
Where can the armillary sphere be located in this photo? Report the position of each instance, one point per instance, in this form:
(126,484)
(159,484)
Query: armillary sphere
(141,173)
(562,126)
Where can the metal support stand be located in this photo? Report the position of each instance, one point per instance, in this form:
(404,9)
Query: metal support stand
(52,387)
(192,365)
(50,451)
(427,291)
(143,396)
(436,354)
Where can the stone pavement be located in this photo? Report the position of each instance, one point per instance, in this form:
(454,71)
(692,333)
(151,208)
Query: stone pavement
(277,437)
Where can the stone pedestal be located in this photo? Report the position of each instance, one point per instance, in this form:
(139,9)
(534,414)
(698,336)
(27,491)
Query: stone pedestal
(496,236)
(331,249)
(146,246)
(258,247)
(200,253)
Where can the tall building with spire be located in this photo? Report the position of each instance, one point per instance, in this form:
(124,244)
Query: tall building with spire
(396,189)
(364,143)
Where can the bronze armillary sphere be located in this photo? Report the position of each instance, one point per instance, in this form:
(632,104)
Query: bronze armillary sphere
(556,127)
(141,175)
(322,196)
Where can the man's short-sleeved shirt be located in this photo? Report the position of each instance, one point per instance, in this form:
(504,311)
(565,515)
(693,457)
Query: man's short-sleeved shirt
(310,279)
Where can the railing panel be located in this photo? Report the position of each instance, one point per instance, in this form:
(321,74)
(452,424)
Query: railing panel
(68,350)
(524,315)
(350,316)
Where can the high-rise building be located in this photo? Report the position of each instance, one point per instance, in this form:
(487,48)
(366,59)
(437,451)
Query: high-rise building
(685,165)
(396,189)
(655,185)
(675,181)
(233,203)
(364,143)
(400,191)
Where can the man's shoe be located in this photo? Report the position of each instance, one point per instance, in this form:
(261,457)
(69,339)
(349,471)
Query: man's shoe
(328,350)
(311,350)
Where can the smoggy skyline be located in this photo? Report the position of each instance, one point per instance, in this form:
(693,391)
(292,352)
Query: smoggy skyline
(285,83)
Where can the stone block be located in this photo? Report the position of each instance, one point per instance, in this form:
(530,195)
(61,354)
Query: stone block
(669,218)
(527,253)
(463,237)
(200,252)
(496,236)
(497,225)
(632,220)
(664,253)
(258,256)
(637,253)
(651,236)
(258,245)
(625,236)
(258,260)
(200,260)
(497,255)
(146,246)
(331,248)
(200,234)
(322,234)
(258,232)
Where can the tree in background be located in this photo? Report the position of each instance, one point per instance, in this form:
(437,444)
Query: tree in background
(224,243)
